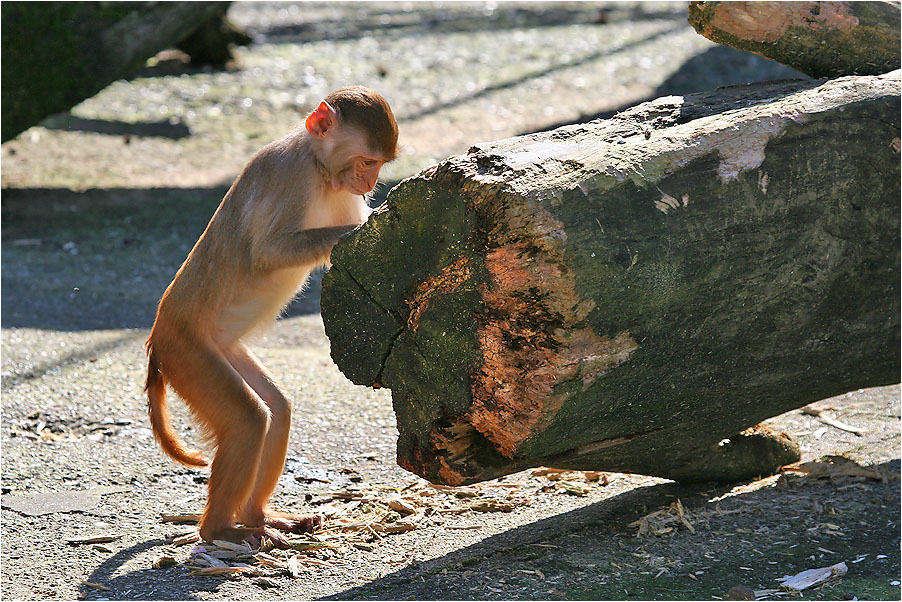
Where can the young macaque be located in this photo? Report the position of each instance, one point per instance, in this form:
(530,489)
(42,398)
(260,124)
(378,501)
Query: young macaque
(277,223)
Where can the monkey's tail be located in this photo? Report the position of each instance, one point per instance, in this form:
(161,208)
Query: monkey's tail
(159,416)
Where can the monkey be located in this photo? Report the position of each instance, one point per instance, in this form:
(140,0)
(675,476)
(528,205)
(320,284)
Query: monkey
(277,223)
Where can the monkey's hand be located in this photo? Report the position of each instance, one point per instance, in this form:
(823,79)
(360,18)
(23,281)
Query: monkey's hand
(307,247)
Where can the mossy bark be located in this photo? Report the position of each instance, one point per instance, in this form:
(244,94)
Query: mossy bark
(820,39)
(625,294)
(56,54)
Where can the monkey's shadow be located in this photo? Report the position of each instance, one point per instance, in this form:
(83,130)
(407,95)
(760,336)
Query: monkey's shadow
(143,584)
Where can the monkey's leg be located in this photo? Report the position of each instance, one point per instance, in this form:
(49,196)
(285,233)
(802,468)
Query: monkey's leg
(235,415)
(256,511)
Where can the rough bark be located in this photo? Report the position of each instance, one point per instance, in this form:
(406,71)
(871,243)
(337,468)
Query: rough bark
(820,39)
(625,294)
(56,54)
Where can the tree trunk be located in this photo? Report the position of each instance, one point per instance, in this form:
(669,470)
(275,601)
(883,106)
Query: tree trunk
(820,39)
(56,54)
(625,294)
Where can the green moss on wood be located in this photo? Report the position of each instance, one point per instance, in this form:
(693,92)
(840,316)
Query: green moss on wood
(750,294)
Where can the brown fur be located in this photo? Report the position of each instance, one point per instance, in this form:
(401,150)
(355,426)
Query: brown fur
(364,108)
(277,223)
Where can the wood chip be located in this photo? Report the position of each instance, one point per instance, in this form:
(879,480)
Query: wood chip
(99,586)
(812,577)
(216,570)
(270,561)
(457,491)
(574,488)
(186,539)
(401,507)
(544,471)
(682,515)
(180,518)
(293,568)
(311,546)
(76,541)
(241,548)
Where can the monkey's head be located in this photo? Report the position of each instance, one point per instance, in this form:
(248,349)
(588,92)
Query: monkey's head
(354,134)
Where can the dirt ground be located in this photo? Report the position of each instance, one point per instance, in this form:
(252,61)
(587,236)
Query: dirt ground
(100,206)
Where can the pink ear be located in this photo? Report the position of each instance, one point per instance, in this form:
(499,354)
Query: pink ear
(321,120)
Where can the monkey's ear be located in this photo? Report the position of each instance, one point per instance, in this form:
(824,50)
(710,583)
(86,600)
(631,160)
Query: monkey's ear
(321,120)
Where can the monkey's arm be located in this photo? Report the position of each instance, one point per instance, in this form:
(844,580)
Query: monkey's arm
(299,248)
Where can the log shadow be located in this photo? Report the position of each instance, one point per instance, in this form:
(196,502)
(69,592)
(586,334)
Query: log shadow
(717,67)
(752,537)
(101,258)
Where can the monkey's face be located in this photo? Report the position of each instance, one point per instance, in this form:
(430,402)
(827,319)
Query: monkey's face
(362,174)
(347,151)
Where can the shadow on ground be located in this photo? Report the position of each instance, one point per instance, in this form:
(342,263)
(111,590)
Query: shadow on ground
(101,259)
(422,19)
(591,553)
(749,539)
(715,68)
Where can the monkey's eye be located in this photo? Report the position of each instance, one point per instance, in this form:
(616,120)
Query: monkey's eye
(369,162)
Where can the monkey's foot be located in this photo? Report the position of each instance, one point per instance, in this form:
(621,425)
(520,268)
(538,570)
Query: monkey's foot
(294,523)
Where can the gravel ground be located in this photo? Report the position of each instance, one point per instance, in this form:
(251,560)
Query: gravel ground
(100,206)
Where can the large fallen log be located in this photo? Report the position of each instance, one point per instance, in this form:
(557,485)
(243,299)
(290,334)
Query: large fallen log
(820,39)
(625,294)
